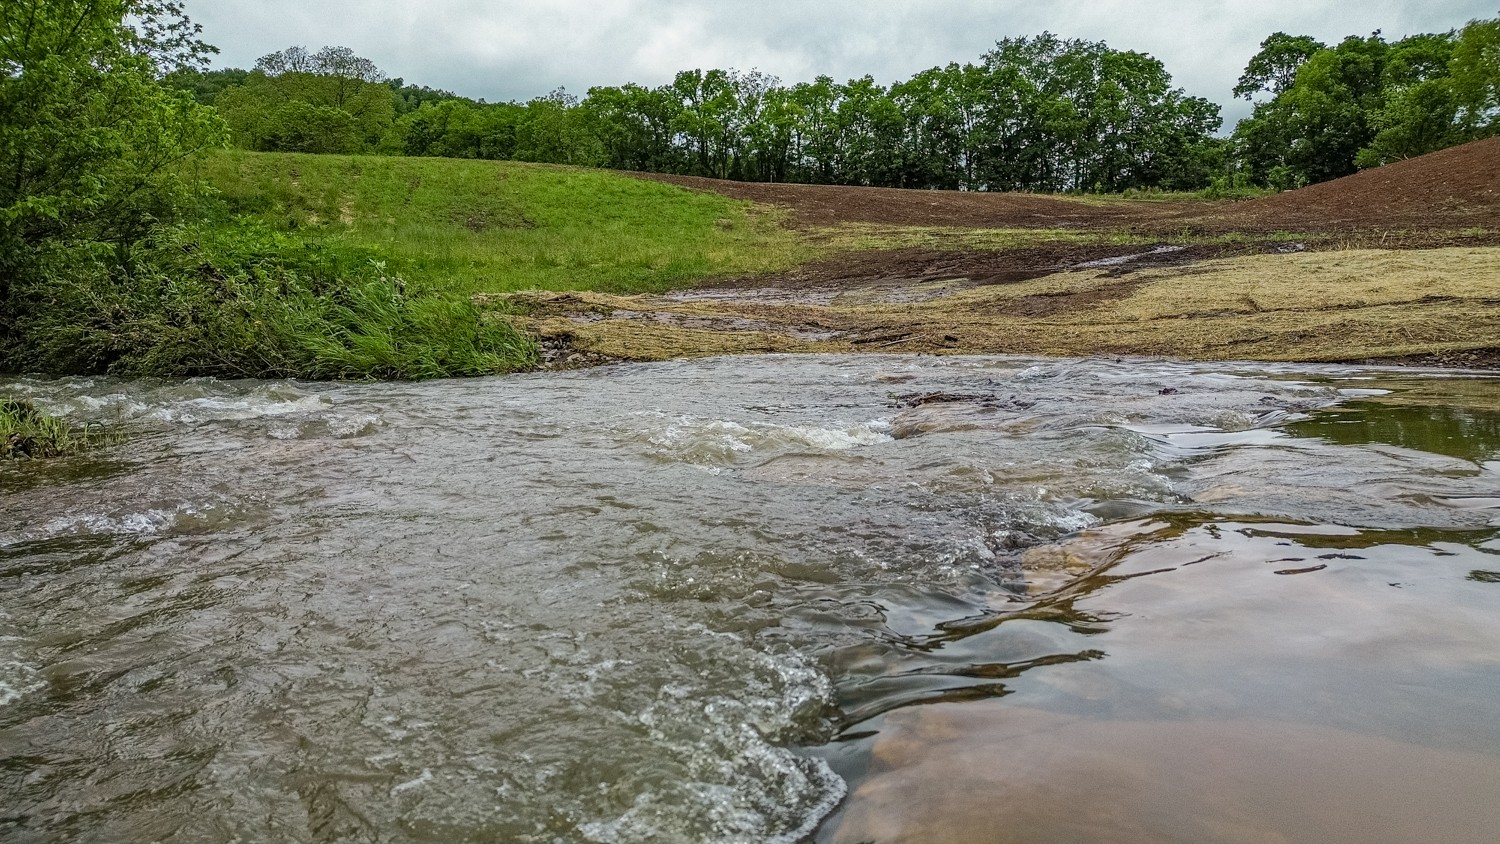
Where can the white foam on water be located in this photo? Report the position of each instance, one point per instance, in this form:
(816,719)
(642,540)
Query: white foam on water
(423,779)
(738,784)
(188,402)
(695,439)
(17,679)
(149,522)
(234,408)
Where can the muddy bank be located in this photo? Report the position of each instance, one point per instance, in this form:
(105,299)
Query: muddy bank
(1432,307)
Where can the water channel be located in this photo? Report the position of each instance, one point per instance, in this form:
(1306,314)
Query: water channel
(762,599)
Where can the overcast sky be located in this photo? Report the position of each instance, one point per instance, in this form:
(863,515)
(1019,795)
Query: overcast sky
(519,49)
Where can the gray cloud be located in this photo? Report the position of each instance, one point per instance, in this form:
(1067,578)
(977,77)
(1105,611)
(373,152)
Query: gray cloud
(518,49)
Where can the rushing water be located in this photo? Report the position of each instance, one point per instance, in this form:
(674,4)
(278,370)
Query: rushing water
(758,599)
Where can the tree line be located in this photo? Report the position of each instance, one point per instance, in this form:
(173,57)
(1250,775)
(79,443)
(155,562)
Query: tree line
(1034,114)
(1038,113)
(1327,111)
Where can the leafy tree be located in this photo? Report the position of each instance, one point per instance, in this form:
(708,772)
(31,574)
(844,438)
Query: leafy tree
(1076,115)
(90,141)
(1476,77)
(636,125)
(1414,120)
(554,130)
(300,126)
(818,136)
(1274,69)
(1419,107)
(409,98)
(1366,102)
(1316,127)
(205,85)
(296,82)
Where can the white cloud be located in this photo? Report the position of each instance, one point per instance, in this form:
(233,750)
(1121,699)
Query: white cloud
(518,49)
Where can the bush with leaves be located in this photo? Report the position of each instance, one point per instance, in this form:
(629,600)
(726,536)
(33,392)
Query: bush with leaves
(90,143)
(239,300)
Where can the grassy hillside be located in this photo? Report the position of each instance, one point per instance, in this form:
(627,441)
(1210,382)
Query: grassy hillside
(489,227)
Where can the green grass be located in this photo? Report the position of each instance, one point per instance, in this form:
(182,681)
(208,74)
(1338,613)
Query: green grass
(28,433)
(469,227)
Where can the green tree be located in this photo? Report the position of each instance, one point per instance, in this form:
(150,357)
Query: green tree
(90,140)
(297,82)
(1476,77)
(635,126)
(205,85)
(1315,129)
(1274,69)
(554,130)
(1366,102)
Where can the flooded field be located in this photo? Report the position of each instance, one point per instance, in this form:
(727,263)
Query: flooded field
(767,599)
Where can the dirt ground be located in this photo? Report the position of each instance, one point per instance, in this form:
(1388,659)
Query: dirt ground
(825,205)
(1453,189)
(1395,265)
(1449,190)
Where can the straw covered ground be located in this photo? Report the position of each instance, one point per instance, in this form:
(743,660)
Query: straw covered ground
(1440,304)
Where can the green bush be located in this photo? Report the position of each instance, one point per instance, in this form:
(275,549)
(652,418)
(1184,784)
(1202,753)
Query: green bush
(1235,186)
(238,300)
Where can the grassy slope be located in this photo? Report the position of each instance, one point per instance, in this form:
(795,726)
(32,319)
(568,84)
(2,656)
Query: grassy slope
(491,227)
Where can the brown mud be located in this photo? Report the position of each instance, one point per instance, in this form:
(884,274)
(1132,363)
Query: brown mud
(1450,190)
(827,205)
(1453,189)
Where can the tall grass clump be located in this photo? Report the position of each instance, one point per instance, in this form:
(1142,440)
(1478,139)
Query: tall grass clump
(236,299)
(28,433)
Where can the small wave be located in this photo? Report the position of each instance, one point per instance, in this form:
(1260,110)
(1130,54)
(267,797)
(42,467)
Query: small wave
(331,425)
(739,784)
(698,440)
(235,408)
(17,679)
(189,402)
(149,522)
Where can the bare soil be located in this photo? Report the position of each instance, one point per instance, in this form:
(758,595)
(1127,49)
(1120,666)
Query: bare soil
(1453,189)
(906,267)
(1447,191)
(827,205)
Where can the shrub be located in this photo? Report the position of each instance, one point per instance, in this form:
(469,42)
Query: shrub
(1234,186)
(242,301)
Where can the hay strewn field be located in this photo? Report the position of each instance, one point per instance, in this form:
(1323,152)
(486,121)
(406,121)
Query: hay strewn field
(1318,306)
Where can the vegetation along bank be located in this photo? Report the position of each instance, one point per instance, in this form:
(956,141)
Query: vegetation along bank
(311,218)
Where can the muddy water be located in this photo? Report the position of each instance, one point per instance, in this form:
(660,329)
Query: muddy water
(759,599)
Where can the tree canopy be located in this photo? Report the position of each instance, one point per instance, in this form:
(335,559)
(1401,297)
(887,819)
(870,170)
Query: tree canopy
(89,139)
(1365,101)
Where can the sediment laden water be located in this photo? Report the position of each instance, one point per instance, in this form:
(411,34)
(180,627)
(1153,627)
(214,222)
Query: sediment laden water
(680,602)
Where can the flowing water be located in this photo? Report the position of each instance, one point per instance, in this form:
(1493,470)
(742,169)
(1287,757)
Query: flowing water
(766,599)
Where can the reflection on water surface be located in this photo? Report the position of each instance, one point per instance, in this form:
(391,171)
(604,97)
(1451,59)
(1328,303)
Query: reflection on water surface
(760,599)
(1465,433)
